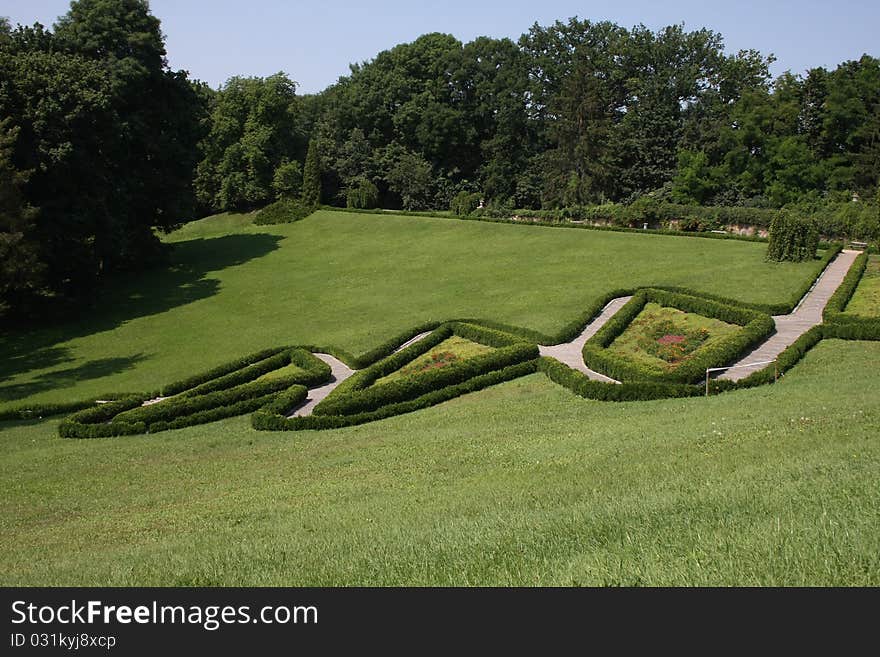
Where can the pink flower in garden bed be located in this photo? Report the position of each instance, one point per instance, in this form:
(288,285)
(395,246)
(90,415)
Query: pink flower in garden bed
(671,339)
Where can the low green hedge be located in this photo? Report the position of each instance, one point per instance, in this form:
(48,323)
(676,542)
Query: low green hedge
(225,396)
(266,421)
(39,411)
(359,394)
(221,370)
(96,422)
(756,327)
(176,407)
(837,303)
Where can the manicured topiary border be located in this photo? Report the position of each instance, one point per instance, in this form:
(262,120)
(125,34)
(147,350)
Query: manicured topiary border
(756,327)
(361,394)
(234,388)
(219,393)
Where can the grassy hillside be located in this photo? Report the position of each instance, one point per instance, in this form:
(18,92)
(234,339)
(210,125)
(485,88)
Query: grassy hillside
(522,483)
(353,281)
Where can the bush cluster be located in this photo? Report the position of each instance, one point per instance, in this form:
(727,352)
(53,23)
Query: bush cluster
(362,195)
(465,203)
(792,239)
(284,211)
(756,327)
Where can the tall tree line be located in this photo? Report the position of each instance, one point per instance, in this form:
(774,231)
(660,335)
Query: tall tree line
(101,143)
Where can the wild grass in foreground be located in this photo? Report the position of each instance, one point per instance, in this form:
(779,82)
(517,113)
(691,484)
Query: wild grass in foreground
(522,483)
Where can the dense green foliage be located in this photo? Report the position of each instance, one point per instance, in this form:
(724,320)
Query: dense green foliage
(792,238)
(108,133)
(311,185)
(283,212)
(589,120)
(253,132)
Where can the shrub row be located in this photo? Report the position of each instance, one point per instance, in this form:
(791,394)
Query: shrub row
(220,370)
(39,411)
(222,412)
(406,388)
(96,422)
(583,386)
(285,401)
(171,409)
(240,376)
(534,218)
(265,421)
(842,295)
(756,327)
(284,211)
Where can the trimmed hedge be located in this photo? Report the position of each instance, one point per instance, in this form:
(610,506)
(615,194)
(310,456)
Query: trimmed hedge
(358,394)
(220,370)
(265,421)
(171,409)
(229,395)
(756,327)
(39,411)
(97,422)
(583,386)
(842,295)
(284,211)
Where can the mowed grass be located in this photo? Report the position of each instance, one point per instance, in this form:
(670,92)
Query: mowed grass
(865,300)
(631,343)
(353,281)
(450,350)
(522,483)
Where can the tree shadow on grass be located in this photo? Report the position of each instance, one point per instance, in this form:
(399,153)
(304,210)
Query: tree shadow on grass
(130,296)
(93,369)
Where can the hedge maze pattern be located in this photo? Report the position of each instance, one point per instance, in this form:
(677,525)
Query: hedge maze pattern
(273,383)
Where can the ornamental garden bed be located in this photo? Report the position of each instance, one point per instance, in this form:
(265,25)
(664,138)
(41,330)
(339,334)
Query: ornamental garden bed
(452,350)
(662,338)
(673,347)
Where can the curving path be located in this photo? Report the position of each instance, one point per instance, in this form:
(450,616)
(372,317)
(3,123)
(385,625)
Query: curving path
(571,354)
(339,372)
(789,328)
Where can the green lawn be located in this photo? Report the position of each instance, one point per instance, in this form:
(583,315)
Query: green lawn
(353,281)
(866,299)
(450,350)
(639,342)
(522,483)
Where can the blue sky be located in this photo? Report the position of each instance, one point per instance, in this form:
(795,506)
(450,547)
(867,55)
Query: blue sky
(314,41)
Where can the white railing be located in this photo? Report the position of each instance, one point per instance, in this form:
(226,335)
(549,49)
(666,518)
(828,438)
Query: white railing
(734,367)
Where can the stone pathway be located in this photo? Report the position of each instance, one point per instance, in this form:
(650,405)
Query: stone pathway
(805,316)
(339,372)
(571,353)
(789,328)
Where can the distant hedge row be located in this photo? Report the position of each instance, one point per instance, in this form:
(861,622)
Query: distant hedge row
(756,327)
